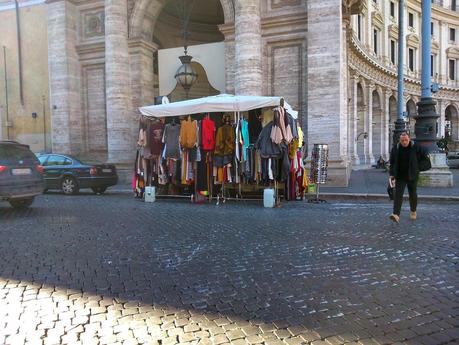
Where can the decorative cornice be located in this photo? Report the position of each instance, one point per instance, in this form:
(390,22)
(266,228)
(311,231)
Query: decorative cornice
(298,20)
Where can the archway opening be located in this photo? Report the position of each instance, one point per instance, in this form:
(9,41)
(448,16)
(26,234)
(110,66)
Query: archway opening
(204,18)
(451,123)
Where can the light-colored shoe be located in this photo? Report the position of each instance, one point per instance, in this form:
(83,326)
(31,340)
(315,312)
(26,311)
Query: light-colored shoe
(413,215)
(393,217)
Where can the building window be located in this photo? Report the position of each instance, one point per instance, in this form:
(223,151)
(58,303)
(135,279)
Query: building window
(392,51)
(359,27)
(411,20)
(432,65)
(452,69)
(375,41)
(453,5)
(392,9)
(452,34)
(431,28)
(411,59)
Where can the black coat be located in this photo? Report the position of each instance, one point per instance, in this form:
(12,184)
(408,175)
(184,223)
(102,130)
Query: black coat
(416,153)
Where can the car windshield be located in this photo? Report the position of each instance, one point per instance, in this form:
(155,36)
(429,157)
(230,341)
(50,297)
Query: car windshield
(12,154)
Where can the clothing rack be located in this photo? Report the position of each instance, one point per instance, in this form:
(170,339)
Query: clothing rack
(223,195)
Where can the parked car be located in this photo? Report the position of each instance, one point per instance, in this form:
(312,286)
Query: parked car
(69,174)
(20,174)
(452,159)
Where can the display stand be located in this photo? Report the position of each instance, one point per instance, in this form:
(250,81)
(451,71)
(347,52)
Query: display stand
(319,167)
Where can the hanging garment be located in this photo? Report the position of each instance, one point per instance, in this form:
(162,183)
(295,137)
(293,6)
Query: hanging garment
(208,134)
(300,137)
(281,130)
(156,136)
(171,140)
(255,125)
(293,125)
(188,133)
(245,138)
(267,148)
(225,141)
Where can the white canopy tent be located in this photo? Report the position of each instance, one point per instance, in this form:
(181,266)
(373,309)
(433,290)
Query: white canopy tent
(213,104)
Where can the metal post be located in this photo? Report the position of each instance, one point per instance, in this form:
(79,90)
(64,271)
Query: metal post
(43,98)
(18,29)
(400,125)
(426,120)
(7,120)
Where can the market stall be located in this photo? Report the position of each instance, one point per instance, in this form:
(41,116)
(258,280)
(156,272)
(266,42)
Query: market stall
(221,146)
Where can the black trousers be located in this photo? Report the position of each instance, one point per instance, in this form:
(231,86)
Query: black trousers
(400,189)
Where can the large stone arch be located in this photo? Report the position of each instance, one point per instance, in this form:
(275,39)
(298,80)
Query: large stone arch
(141,6)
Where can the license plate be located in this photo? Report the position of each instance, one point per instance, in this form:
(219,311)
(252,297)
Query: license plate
(107,170)
(21,171)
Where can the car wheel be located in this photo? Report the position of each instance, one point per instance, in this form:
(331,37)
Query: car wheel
(69,185)
(99,190)
(21,203)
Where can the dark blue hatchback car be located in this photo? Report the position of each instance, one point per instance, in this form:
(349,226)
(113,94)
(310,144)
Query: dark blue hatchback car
(69,174)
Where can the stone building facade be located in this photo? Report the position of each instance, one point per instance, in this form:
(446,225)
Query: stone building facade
(103,65)
(372,56)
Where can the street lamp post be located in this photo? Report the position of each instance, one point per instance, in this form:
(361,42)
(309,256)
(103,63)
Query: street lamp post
(427,117)
(400,124)
(426,120)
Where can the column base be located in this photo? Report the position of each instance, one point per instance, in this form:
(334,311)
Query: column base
(339,174)
(439,175)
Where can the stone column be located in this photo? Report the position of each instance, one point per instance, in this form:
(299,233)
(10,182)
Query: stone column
(368,26)
(386,120)
(326,88)
(248,78)
(64,78)
(227,30)
(121,123)
(443,39)
(355,122)
(369,159)
(142,75)
(442,121)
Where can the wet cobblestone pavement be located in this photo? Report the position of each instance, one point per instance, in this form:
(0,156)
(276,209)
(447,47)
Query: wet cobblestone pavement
(112,270)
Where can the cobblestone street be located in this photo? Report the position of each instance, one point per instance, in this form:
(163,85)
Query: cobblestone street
(112,270)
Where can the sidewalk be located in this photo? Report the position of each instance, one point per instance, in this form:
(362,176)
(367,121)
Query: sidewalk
(372,183)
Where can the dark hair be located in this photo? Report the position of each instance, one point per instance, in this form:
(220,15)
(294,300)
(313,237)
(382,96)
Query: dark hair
(404,133)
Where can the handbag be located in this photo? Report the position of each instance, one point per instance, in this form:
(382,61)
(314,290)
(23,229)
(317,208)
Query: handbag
(390,191)
(424,163)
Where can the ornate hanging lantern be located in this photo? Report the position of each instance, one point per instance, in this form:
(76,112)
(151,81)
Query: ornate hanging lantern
(186,75)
